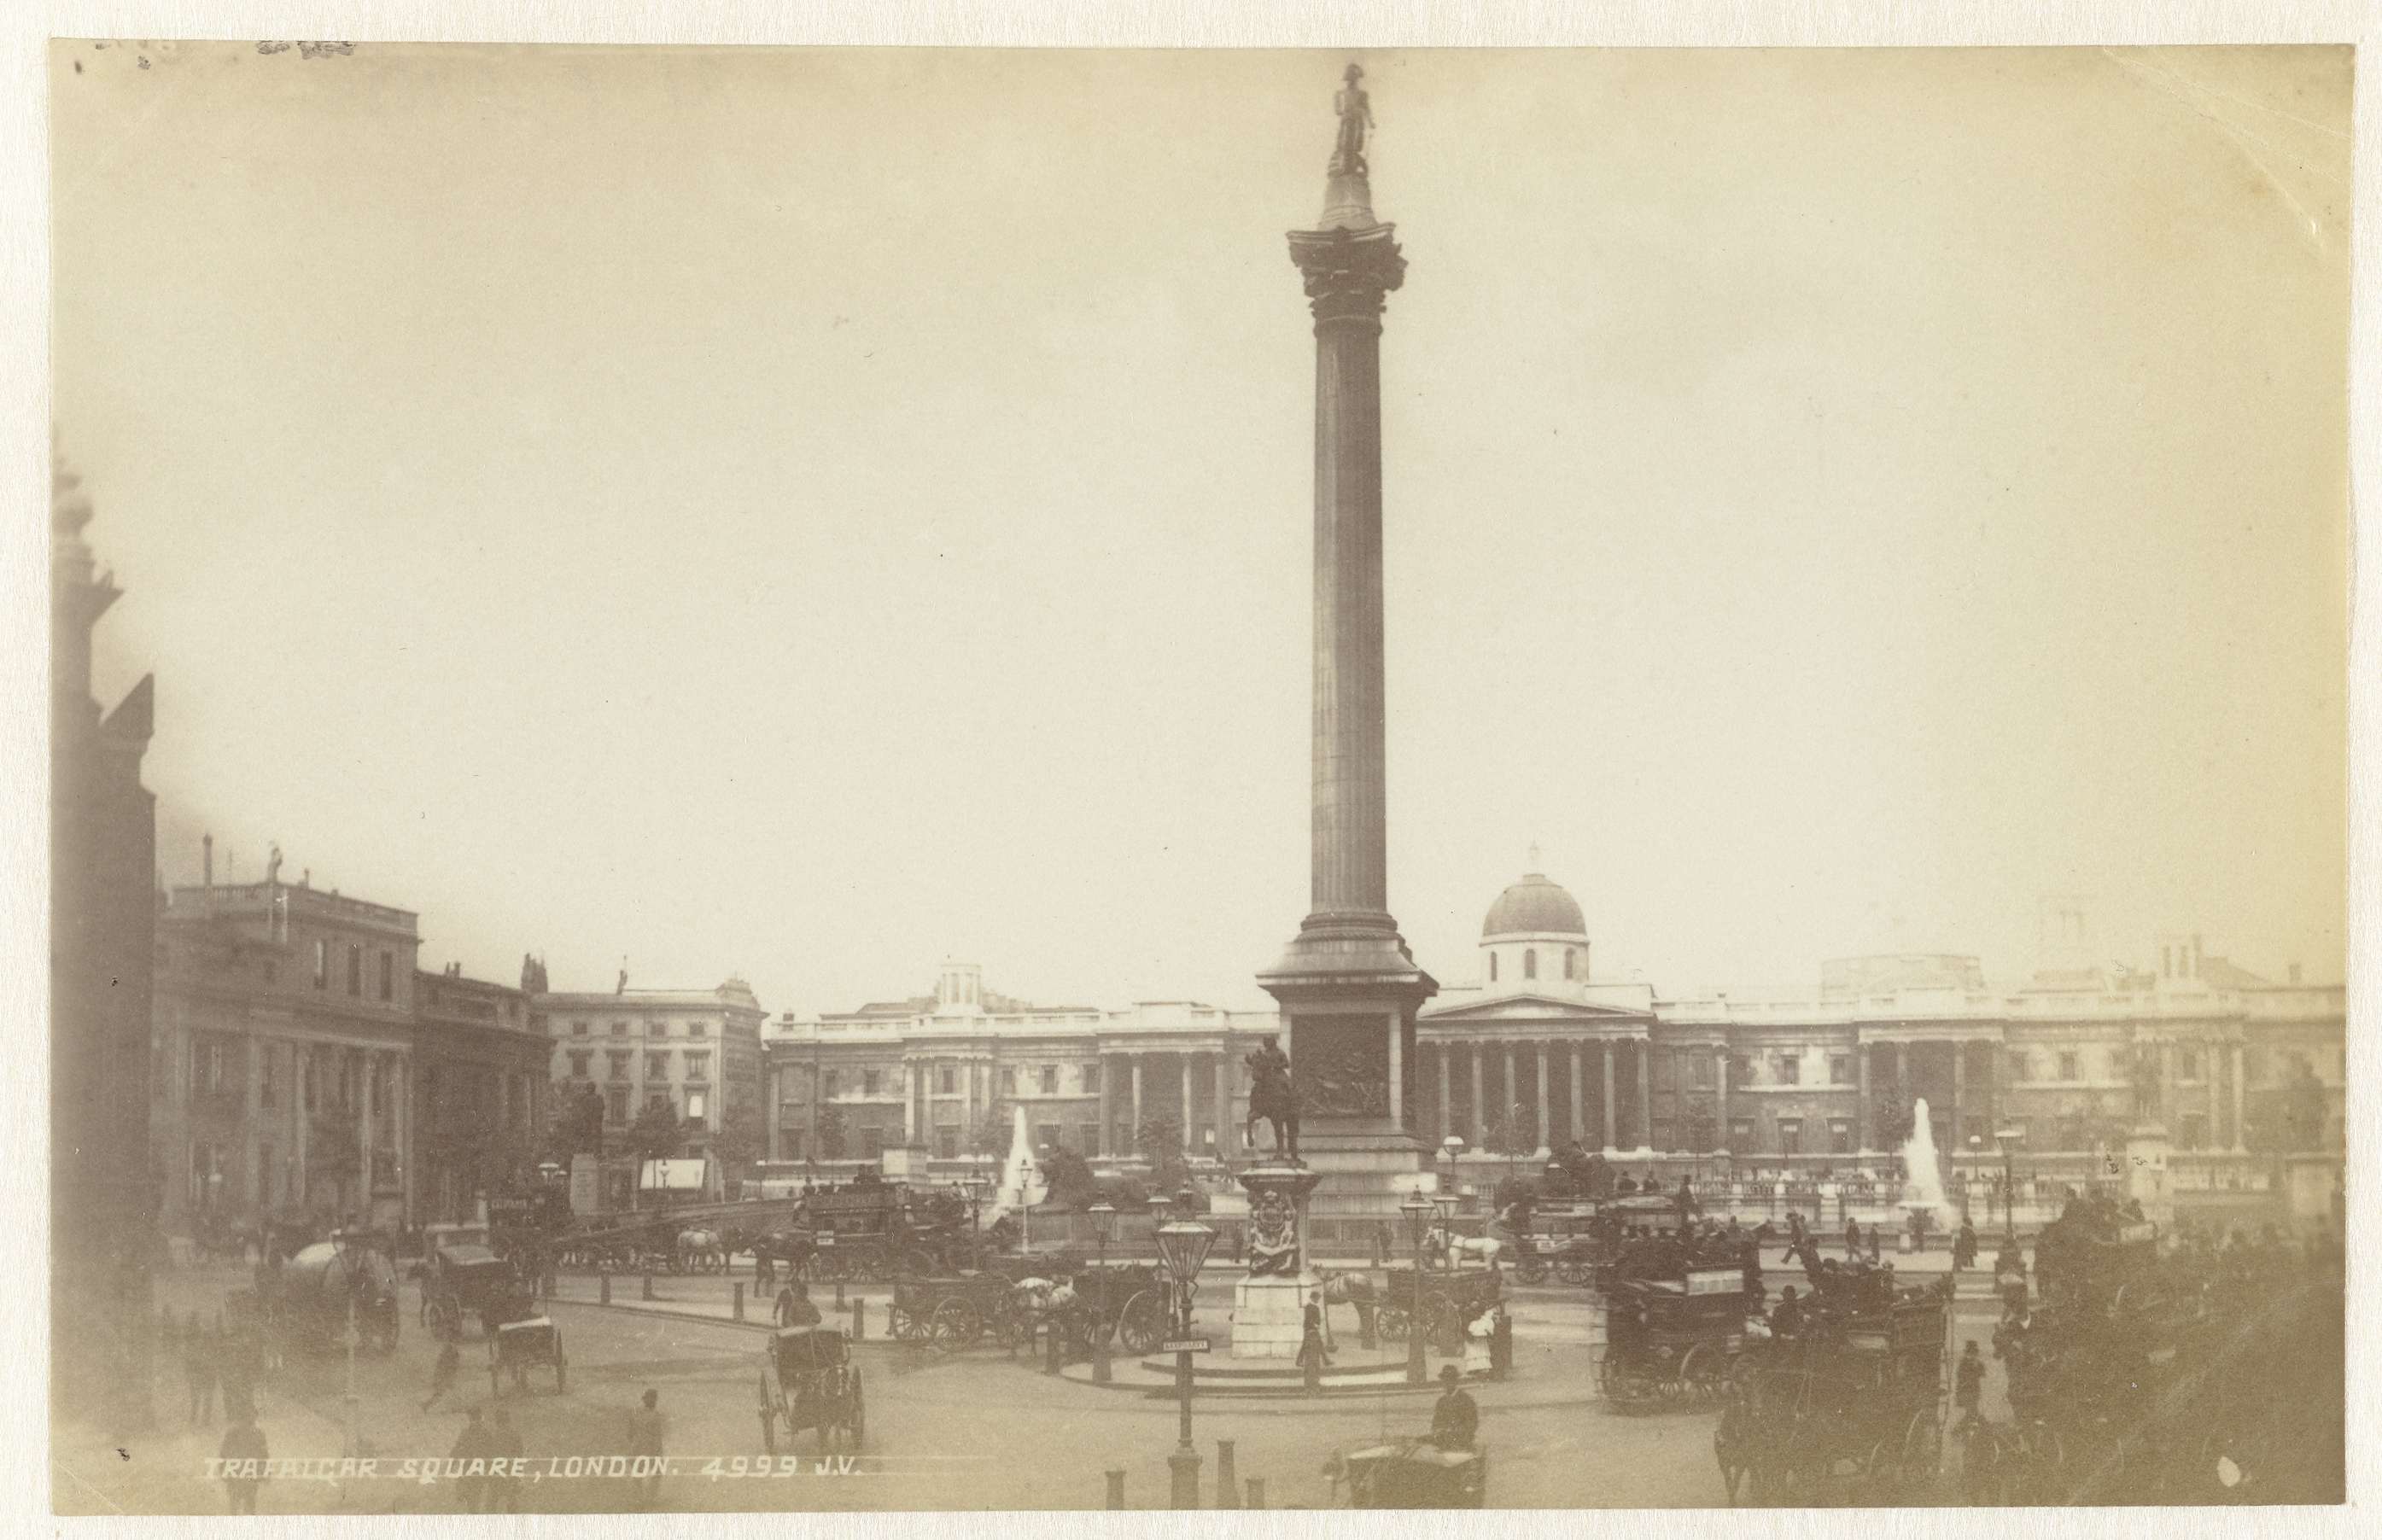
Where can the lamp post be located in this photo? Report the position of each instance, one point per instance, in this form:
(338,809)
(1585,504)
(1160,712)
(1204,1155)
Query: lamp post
(1182,1247)
(1159,1205)
(1418,1211)
(974,1188)
(2007,1139)
(1103,1216)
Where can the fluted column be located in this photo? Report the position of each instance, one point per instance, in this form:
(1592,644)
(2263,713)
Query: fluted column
(1185,1060)
(1507,1051)
(2208,1061)
(1612,1135)
(1862,1052)
(362,1064)
(1545,1142)
(1960,1088)
(1720,1079)
(1446,1065)
(1132,1135)
(1645,1094)
(1578,1105)
(1108,1103)
(1478,1127)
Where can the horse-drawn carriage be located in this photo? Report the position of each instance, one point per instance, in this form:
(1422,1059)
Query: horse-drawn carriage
(1557,1239)
(314,1295)
(949,1314)
(1440,1304)
(515,1347)
(1411,1473)
(1855,1400)
(1126,1299)
(872,1231)
(1673,1340)
(809,1381)
(473,1280)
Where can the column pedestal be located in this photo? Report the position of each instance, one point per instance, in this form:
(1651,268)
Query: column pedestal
(1270,1308)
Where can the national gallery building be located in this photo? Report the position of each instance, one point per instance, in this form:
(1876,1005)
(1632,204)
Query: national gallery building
(1538,1052)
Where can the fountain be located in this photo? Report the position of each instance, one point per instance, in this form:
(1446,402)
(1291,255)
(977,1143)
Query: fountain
(1021,1182)
(1922,1186)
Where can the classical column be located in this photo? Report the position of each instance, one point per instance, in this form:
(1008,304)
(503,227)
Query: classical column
(1579,1109)
(362,1065)
(301,1085)
(400,1072)
(1645,1046)
(1959,1085)
(1612,1136)
(2208,1060)
(1398,1074)
(1477,1129)
(909,1102)
(1546,1140)
(1513,1097)
(1720,1079)
(1132,1135)
(252,1052)
(2240,1088)
(1446,1063)
(1862,1052)
(1184,1061)
(1107,1071)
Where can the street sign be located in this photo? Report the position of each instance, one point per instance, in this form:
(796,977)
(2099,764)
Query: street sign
(1184,1345)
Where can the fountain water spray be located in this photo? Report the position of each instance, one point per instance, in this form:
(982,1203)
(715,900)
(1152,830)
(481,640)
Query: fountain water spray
(1022,1183)
(1923,1179)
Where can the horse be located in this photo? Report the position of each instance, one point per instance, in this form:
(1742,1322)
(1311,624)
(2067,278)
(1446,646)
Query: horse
(1354,1289)
(1274,1099)
(700,1250)
(1453,1250)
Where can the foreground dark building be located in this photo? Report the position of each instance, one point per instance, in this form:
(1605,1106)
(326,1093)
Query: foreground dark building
(102,855)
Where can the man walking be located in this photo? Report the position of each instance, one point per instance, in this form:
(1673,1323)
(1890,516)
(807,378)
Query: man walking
(1312,1356)
(1969,1387)
(473,1444)
(443,1373)
(243,1441)
(1964,1247)
(646,1432)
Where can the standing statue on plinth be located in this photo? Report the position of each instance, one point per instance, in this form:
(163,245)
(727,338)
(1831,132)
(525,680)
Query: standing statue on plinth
(1273,1097)
(1355,110)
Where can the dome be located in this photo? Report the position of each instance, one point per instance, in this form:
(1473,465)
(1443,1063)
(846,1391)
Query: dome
(1534,907)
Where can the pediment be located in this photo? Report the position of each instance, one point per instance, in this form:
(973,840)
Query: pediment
(1536,1008)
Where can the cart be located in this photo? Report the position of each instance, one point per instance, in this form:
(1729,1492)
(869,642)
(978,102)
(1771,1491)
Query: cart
(459,1280)
(1673,1342)
(1856,1401)
(1412,1472)
(949,1314)
(1440,1303)
(809,1381)
(517,1346)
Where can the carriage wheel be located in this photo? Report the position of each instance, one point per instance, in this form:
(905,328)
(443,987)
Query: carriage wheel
(956,1326)
(1621,1381)
(1530,1268)
(1703,1371)
(1390,1323)
(1575,1271)
(1141,1325)
(1923,1448)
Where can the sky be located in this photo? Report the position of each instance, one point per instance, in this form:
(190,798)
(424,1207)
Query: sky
(810,513)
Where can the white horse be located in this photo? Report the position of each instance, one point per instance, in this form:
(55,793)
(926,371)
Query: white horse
(701,1248)
(1453,1250)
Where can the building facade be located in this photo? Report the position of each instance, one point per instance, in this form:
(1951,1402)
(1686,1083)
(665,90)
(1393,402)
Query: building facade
(695,1051)
(945,1075)
(283,1055)
(480,1093)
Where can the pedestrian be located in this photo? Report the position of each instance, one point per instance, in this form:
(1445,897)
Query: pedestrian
(1455,1421)
(243,1441)
(1476,1347)
(1501,1343)
(442,1374)
(794,1307)
(199,1370)
(1964,1247)
(647,1428)
(1312,1356)
(504,1444)
(473,1444)
(762,1273)
(1969,1387)
(1852,1235)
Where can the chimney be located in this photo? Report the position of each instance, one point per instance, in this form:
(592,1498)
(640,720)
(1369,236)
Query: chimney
(207,862)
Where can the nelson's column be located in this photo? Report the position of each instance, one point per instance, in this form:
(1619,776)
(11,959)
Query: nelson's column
(1348,984)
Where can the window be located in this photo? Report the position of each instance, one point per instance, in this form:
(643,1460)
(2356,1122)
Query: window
(1700,1070)
(1089,1137)
(1091,1077)
(698,1029)
(1046,1136)
(2187,1064)
(2195,1130)
(2018,1064)
(1493,967)
(947,1144)
(1049,1079)
(1790,1136)
(321,964)
(2067,1066)
(698,1067)
(620,1028)
(826,1083)
(698,1105)
(578,1029)
(1740,1134)
(657,1067)
(1529,962)
(872,1143)
(356,969)
(656,1029)
(1571,962)
(578,1065)
(1840,1069)
(1790,1068)
(657,1101)
(869,1081)
(268,1085)
(620,1064)
(944,1081)
(1009,1079)
(615,1104)
(388,976)
(1840,1136)
(1740,1071)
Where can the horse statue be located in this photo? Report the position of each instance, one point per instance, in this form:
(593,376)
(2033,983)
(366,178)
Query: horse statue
(1453,1251)
(1272,1098)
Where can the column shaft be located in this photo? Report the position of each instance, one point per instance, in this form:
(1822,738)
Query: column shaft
(2239,1099)
(1578,1118)
(1479,1131)
(1350,861)
(1545,1140)
(1506,1114)
(1645,1094)
(1398,1074)
(1611,1134)
(1444,1057)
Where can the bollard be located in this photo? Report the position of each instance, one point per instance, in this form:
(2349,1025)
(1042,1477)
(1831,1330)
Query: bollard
(859,1319)
(1257,1492)
(736,1303)
(1051,1335)
(1116,1489)
(604,1286)
(1228,1486)
(649,1287)
(839,1293)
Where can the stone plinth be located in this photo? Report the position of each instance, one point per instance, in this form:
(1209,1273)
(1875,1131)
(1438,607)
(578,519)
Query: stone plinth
(1269,1314)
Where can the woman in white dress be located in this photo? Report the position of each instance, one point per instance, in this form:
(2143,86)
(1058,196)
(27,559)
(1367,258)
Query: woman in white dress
(1475,1344)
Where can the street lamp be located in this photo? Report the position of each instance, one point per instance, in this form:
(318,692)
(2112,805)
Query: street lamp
(1103,1216)
(1418,1210)
(1452,1146)
(976,1189)
(2007,1139)
(1182,1247)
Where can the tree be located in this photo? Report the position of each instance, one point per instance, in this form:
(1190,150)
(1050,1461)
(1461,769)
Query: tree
(1069,1178)
(656,1134)
(994,1131)
(1703,1128)
(830,1133)
(1891,1117)
(737,1143)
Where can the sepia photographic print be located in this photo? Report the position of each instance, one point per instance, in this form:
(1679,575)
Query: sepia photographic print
(851,779)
